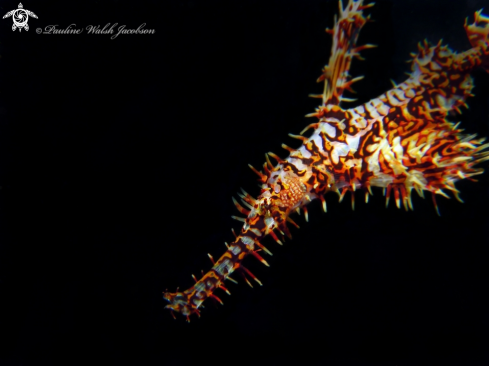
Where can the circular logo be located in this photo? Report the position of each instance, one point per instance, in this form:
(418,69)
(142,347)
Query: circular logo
(20,17)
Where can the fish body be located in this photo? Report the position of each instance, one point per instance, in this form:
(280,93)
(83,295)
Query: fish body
(399,141)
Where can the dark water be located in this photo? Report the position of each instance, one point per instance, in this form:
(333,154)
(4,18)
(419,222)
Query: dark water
(118,161)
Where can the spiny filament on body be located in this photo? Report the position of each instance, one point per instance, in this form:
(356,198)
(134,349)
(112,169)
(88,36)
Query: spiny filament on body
(400,141)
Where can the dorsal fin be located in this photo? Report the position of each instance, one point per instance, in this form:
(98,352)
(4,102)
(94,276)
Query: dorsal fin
(345,34)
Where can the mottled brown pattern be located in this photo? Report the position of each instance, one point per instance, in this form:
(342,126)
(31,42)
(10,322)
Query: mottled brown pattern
(399,141)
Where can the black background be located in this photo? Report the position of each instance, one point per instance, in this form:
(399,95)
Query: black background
(118,161)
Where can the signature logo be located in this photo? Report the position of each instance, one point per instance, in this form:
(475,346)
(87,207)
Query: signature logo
(20,17)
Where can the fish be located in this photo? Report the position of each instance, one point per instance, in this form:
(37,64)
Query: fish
(401,141)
